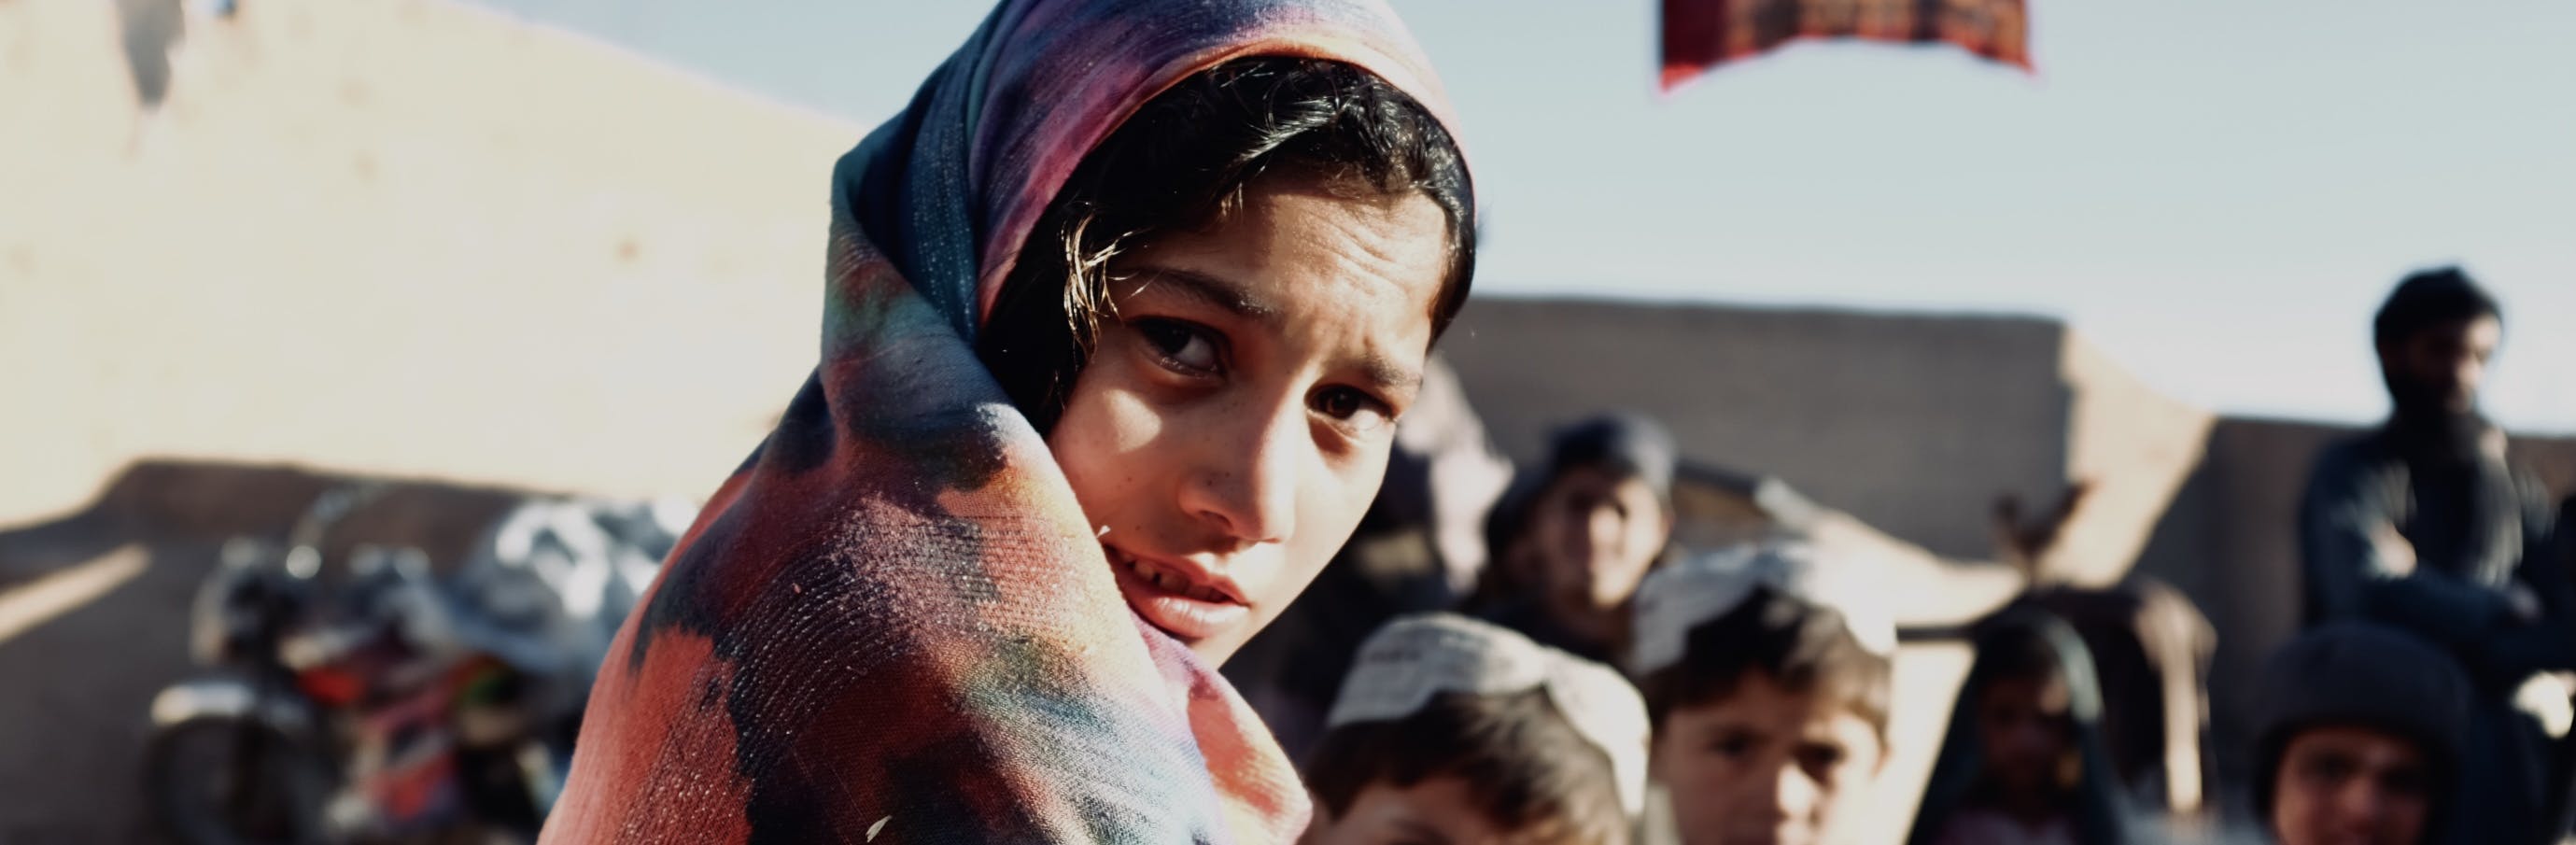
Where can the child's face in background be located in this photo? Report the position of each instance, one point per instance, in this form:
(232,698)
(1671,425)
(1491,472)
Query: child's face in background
(2026,734)
(1766,765)
(1595,533)
(2341,785)
(1436,811)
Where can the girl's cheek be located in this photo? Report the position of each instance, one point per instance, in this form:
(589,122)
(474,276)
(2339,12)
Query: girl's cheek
(1131,416)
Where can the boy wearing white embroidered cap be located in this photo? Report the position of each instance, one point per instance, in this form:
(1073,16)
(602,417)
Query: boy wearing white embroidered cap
(1453,730)
(1767,679)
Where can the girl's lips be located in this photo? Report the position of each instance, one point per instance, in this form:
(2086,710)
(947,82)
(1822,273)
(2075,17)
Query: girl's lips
(1167,600)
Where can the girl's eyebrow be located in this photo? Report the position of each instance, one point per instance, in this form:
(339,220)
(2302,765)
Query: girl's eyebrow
(1387,374)
(1234,298)
(1381,371)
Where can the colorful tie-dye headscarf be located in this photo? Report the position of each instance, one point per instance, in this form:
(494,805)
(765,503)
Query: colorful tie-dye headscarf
(893,623)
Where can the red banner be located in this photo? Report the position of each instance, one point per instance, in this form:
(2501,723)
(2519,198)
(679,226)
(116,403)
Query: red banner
(1701,34)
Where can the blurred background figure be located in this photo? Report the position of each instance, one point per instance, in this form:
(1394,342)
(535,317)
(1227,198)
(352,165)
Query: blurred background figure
(1453,730)
(1595,519)
(2426,525)
(2023,761)
(2362,738)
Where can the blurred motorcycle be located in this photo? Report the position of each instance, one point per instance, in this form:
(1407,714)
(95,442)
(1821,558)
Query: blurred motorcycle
(371,702)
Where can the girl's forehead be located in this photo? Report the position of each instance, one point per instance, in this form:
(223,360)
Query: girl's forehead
(1353,271)
(1072,71)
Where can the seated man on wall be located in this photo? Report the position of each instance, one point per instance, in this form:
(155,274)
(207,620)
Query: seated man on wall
(2423,525)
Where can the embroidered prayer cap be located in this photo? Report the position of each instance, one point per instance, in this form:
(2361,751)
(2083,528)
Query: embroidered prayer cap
(1690,592)
(1410,660)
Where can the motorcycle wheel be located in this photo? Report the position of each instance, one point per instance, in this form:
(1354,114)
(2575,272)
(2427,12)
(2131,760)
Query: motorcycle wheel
(221,780)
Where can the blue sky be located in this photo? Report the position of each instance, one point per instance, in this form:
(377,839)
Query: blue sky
(2215,193)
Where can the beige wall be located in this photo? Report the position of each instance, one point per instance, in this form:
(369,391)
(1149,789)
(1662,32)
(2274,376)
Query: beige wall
(2134,449)
(1911,423)
(399,236)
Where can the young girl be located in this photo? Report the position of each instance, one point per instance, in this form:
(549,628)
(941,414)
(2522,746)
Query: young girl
(1120,314)
(2023,763)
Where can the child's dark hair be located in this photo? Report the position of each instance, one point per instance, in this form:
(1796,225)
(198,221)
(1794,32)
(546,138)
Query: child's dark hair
(1182,162)
(1522,761)
(2014,653)
(1801,646)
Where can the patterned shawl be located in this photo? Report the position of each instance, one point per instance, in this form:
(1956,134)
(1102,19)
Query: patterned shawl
(893,623)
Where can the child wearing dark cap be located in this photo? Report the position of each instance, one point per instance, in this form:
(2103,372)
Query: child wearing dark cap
(1454,730)
(1587,534)
(2361,739)
(1766,675)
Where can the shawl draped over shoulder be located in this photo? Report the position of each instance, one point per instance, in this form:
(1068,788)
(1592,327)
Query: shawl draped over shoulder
(892,623)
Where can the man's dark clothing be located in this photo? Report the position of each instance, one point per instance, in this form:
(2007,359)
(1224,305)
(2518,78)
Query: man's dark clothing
(2481,585)
(2469,519)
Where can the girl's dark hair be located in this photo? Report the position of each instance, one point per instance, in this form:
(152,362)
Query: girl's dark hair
(1801,646)
(2014,653)
(1181,163)
(1523,763)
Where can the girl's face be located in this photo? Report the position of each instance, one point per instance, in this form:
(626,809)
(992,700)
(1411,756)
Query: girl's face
(1234,419)
(2027,734)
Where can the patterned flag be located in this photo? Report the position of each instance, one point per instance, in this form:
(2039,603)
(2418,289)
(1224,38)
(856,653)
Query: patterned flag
(1701,34)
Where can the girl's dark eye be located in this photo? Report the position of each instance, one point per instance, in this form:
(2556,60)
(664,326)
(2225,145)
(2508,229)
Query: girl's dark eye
(1182,346)
(1352,408)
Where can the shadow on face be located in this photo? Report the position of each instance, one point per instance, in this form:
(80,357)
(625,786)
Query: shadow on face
(2441,366)
(2348,785)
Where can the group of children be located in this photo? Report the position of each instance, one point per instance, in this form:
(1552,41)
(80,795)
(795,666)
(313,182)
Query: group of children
(1756,700)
